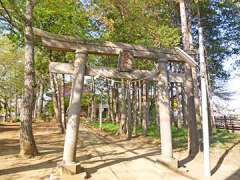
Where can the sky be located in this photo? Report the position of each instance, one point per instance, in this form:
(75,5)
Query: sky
(231,86)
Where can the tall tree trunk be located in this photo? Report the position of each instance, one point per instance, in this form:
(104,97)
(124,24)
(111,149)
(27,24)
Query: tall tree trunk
(189,22)
(114,102)
(123,119)
(55,103)
(5,109)
(27,143)
(9,110)
(145,108)
(156,107)
(140,95)
(190,113)
(100,111)
(16,107)
(93,104)
(111,104)
(117,104)
(184,25)
(110,113)
(184,106)
(129,111)
(71,137)
(39,102)
(57,84)
(134,108)
(173,120)
(62,93)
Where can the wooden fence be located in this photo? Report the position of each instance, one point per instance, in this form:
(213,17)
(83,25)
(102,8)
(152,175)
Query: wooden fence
(228,122)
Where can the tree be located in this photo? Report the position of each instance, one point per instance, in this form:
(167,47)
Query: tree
(190,109)
(27,142)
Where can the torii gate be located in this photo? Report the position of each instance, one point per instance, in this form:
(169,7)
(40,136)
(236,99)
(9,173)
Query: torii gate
(79,70)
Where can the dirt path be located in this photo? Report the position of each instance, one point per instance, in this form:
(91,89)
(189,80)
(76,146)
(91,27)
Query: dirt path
(106,157)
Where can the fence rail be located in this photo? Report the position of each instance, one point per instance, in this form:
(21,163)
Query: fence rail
(228,122)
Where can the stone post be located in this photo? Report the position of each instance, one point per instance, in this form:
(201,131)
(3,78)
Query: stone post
(71,137)
(164,115)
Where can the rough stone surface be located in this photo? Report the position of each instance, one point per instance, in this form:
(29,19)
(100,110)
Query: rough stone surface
(72,169)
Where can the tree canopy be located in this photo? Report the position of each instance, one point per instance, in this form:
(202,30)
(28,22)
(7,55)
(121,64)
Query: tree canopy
(152,23)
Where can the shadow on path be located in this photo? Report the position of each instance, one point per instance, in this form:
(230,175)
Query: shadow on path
(221,159)
(43,165)
(114,161)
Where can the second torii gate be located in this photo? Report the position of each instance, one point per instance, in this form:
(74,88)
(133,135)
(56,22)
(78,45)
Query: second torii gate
(79,70)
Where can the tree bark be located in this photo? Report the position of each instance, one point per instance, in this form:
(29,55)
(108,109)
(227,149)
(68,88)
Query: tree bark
(71,137)
(62,93)
(16,107)
(113,100)
(117,105)
(134,108)
(39,102)
(191,114)
(93,104)
(123,119)
(157,108)
(129,111)
(100,111)
(184,25)
(5,109)
(27,143)
(56,102)
(109,100)
(140,95)
(145,108)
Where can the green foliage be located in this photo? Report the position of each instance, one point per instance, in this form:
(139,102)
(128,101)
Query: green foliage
(220,20)
(223,138)
(11,69)
(50,108)
(86,100)
(106,126)
(139,22)
(62,17)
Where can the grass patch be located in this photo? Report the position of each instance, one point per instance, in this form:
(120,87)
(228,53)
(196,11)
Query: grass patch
(106,126)
(223,137)
(180,135)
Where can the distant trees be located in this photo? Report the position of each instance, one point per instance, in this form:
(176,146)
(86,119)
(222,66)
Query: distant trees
(11,78)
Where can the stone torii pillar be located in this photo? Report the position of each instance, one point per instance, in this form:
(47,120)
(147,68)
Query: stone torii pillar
(164,115)
(71,137)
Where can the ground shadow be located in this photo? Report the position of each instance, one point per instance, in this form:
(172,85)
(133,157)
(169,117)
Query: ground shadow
(9,147)
(43,165)
(221,159)
(234,176)
(10,127)
(136,156)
